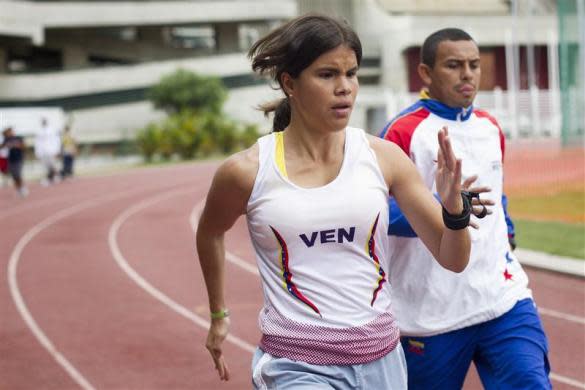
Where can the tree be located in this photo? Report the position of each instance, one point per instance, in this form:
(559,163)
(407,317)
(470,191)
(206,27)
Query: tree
(148,141)
(195,126)
(185,90)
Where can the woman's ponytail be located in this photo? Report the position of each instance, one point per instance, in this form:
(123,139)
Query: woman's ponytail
(281,109)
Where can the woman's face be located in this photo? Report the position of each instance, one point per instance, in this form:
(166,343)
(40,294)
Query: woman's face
(323,95)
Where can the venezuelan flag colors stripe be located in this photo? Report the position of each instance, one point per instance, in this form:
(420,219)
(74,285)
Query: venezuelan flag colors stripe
(287,282)
(371,250)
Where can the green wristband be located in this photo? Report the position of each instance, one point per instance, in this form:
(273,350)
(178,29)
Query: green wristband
(216,315)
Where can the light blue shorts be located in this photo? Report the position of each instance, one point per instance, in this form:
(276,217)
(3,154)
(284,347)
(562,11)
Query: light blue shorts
(388,373)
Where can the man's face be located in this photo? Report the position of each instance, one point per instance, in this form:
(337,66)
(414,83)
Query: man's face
(454,79)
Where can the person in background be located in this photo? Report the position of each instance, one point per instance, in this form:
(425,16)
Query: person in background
(47,148)
(486,314)
(4,164)
(315,195)
(68,153)
(15,146)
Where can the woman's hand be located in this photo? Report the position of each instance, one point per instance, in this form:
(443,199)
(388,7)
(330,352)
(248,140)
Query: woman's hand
(448,175)
(477,205)
(218,331)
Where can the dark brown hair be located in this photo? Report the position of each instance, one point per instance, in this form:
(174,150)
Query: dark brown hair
(293,47)
(428,51)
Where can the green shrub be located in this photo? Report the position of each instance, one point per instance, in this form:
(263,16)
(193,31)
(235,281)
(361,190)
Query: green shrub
(195,126)
(223,133)
(189,135)
(126,147)
(148,140)
(185,90)
(182,130)
(248,136)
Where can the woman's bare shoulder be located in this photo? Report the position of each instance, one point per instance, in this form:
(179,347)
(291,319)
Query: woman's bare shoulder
(382,146)
(240,169)
(390,157)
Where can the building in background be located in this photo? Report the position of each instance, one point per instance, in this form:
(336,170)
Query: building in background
(519,43)
(571,19)
(96,59)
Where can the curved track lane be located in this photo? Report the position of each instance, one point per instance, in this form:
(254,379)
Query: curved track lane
(105,291)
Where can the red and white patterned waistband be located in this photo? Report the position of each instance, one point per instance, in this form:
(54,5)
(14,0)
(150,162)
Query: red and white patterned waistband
(321,345)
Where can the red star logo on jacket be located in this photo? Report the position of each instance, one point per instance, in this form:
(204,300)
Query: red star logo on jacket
(507,275)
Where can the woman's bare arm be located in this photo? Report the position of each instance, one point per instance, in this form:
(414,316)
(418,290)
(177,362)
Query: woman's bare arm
(226,202)
(450,247)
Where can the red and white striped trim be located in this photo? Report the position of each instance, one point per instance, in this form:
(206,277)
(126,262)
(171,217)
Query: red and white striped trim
(321,345)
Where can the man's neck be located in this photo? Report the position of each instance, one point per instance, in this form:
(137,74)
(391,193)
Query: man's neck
(426,94)
(445,111)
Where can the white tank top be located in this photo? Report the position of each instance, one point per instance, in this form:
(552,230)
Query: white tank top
(319,253)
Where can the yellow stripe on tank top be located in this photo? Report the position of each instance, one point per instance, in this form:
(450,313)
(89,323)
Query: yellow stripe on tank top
(279,153)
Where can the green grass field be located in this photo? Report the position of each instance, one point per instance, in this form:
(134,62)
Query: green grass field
(553,223)
(557,238)
(563,206)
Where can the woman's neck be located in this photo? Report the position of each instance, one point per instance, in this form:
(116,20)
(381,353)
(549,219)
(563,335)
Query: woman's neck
(314,143)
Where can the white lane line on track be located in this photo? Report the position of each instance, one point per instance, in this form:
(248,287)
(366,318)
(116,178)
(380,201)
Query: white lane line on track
(561,315)
(28,203)
(232,258)
(14,289)
(26,206)
(194,218)
(19,300)
(567,380)
(143,283)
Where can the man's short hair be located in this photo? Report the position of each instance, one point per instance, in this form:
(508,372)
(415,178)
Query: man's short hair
(428,51)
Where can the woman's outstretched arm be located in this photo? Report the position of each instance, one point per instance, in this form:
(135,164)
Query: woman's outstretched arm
(450,248)
(226,202)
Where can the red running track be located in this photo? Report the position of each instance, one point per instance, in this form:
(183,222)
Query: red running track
(102,289)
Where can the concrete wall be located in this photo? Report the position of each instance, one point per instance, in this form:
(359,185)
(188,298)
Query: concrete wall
(140,50)
(30,19)
(434,7)
(387,36)
(2,60)
(87,81)
(117,122)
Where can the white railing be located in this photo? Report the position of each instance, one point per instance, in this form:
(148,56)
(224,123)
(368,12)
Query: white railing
(526,114)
